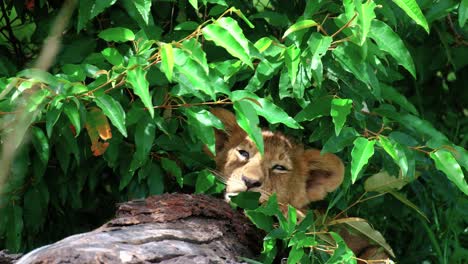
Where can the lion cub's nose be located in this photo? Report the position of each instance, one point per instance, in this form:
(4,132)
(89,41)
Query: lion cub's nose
(251,183)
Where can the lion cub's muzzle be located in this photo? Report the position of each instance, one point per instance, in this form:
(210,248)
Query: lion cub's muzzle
(245,183)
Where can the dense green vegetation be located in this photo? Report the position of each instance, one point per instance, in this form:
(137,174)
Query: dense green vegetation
(122,112)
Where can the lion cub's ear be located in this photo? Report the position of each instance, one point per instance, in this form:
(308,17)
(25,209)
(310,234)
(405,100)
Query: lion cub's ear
(324,173)
(232,133)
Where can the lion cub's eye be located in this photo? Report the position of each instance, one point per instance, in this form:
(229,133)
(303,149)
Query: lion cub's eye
(279,168)
(244,153)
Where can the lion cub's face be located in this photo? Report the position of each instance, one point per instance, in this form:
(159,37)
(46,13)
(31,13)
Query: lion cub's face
(297,176)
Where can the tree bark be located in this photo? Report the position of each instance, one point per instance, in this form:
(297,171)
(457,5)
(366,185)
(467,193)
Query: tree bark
(171,228)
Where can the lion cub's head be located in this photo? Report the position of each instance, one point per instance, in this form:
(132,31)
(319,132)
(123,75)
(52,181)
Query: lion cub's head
(297,176)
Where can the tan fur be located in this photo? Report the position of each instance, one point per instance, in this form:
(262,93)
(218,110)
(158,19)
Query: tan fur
(308,177)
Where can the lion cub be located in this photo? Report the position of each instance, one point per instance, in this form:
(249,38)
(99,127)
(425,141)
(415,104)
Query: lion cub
(296,175)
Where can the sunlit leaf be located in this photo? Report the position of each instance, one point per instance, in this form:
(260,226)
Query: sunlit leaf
(395,151)
(205,181)
(390,42)
(291,57)
(113,110)
(98,128)
(247,119)
(137,79)
(342,253)
(113,56)
(300,25)
(462,13)
(267,109)
(445,162)
(365,16)
(412,9)
(117,34)
(71,109)
(340,109)
(167,60)
(226,33)
(318,45)
(362,151)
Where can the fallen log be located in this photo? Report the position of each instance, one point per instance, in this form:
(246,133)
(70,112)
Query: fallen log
(171,228)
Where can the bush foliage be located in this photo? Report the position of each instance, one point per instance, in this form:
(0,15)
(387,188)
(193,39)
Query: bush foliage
(123,113)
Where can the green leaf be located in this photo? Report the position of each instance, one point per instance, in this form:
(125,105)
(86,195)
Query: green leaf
(172,168)
(113,110)
(154,177)
(362,151)
(202,123)
(318,108)
(113,56)
(462,13)
(246,200)
(15,228)
(423,127)
(205,180)
(337,143)
(295,255)
(36,200)
(383,182)
(375,236)
(271,207)
(145,132)
(167,60)
(260,220)
(291,58)
(247,119)
(88,9)
(391,94)
(41,145)
(117,34)
(408,203)
(395,151)
(53,114)
(340,109)
(446,162)
(390,42)
(412,10)
(365,16)
(143,7)
(71,109)
(36,100)
(341,255)
(347,55)
(75,73)
(191,73)
(226,33)
(300,25)
(307,222)
(266,108)
(137,79)
(194,3)
(292,219)
(318,45)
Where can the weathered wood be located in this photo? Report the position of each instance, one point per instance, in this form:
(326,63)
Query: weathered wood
(171,228)
(7,258)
